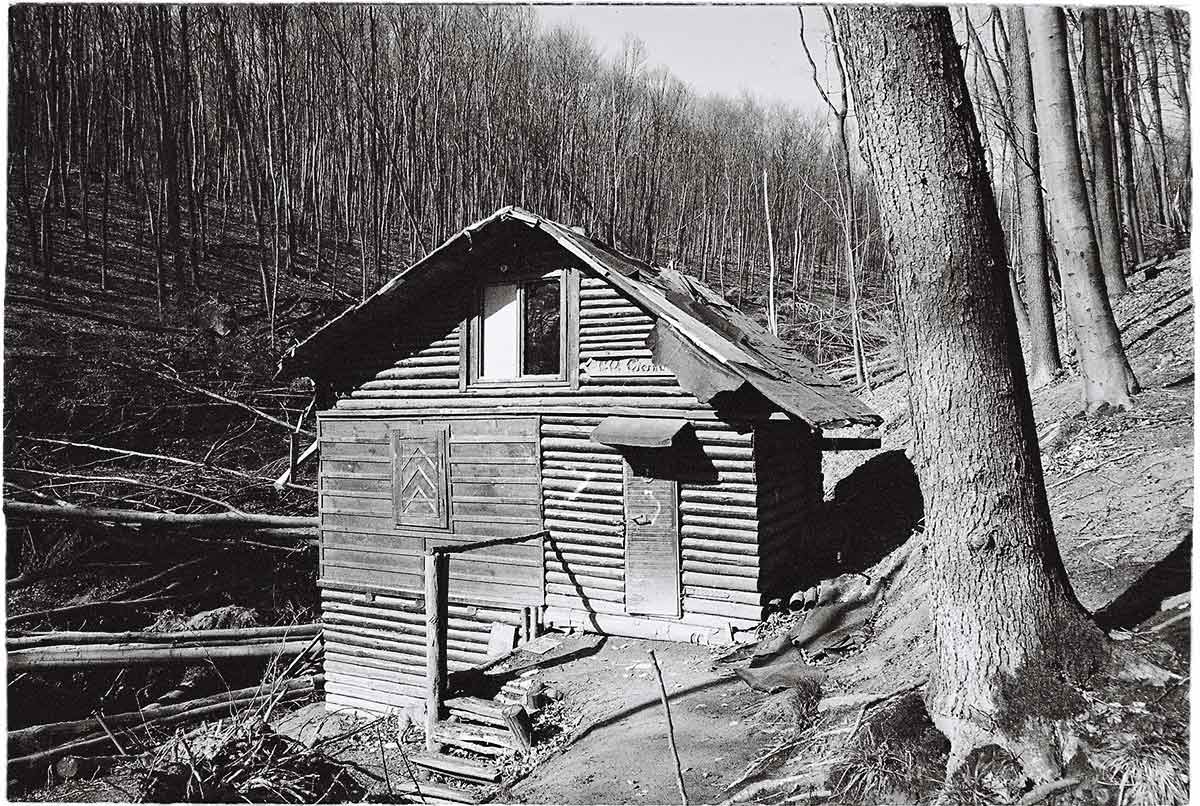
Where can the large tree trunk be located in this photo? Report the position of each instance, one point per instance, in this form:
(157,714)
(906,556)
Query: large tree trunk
(1108,226)
(1184,194)
(1044,362)
(1107,378)
(1123,124)
(1000,599)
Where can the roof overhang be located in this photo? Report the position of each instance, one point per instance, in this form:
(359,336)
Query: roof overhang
(638,432)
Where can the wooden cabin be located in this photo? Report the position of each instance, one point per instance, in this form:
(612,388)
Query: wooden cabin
(525,377)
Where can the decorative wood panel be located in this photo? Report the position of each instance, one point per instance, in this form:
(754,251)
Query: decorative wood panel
(652,586)
(420,488)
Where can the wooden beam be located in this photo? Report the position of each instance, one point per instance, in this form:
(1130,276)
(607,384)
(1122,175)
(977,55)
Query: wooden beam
(483,544)
(436,564)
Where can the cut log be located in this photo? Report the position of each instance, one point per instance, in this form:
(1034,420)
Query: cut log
(143,654)
(517,720)
(233,520)
(72,767)
(482,739)
(476,708)
(431,791)
(459,768)
(76,638)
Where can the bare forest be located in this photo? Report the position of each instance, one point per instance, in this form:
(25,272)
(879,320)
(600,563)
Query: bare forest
(991,253)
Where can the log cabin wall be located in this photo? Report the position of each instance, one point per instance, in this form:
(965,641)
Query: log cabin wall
(370,566)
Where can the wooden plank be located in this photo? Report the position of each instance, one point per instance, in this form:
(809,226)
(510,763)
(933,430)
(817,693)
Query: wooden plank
(365,541)
(377,485)
(497,510)
(484,591)
(356,503)
(493,426)
(461,451)
(456,767)
(652,581)
(371,448)
(371,560)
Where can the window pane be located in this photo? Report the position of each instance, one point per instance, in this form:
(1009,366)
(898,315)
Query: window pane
(498,335)
(543,321)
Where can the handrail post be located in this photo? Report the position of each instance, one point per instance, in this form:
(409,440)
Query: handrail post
(435,642)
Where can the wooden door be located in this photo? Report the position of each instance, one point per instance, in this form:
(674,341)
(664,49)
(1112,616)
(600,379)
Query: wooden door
(651,546)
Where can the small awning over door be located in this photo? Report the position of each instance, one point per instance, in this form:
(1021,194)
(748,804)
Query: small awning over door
(638,432)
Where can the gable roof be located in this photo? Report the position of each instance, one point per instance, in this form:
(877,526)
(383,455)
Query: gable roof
(710,345)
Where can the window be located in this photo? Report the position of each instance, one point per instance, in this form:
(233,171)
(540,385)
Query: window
(520,329)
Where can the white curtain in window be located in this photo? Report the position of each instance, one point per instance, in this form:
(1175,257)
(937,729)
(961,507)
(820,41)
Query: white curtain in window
(501,323)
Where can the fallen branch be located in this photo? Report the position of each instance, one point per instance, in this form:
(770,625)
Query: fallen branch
(662,690)
(38,743)
(223,519)
(161,457)
(173,377)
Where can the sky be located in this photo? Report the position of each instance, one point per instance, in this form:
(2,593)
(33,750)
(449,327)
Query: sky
(715,49)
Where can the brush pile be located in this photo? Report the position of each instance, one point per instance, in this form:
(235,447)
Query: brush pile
(242,760)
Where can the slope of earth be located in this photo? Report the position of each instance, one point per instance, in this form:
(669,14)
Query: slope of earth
(618,749)
(1120,483)
(1120,490)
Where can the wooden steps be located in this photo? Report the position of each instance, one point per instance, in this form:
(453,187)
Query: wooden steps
(455,767)
(480,728)
(433,793)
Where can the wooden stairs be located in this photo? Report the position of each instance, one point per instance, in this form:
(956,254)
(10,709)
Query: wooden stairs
(475,737)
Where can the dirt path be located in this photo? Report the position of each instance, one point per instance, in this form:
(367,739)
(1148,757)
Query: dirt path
(620,752)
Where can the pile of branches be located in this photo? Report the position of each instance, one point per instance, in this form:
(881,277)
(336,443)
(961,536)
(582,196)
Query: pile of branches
(248,762)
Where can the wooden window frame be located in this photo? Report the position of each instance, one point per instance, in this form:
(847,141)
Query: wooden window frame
(471,359)
(441,432)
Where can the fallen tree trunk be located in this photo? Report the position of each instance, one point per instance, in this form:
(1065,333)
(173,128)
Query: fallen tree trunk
(77,638)
(47,743)
(223,519)
(145,654)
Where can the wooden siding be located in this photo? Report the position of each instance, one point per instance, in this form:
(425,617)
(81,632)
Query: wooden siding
(375,645)
(509,475)
(493,492)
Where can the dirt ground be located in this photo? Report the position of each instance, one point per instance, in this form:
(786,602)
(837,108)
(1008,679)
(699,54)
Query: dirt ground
(620,752)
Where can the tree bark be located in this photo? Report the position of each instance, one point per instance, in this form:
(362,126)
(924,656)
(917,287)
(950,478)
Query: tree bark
(1000,598)
(1108,227)
(1107,377)
(1123,124)
(1044,362)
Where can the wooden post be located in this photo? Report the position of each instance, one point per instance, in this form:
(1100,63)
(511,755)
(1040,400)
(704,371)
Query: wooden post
(517,720)
(435,643)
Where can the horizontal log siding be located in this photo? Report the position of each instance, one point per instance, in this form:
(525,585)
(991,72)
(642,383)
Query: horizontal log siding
(375,645)
(494,492)
(788,462)
(584,513)
(721,553)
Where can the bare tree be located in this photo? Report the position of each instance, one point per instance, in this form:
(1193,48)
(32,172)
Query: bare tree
(1107,377)
(1044,361)
(1108,227)
(1001,603)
